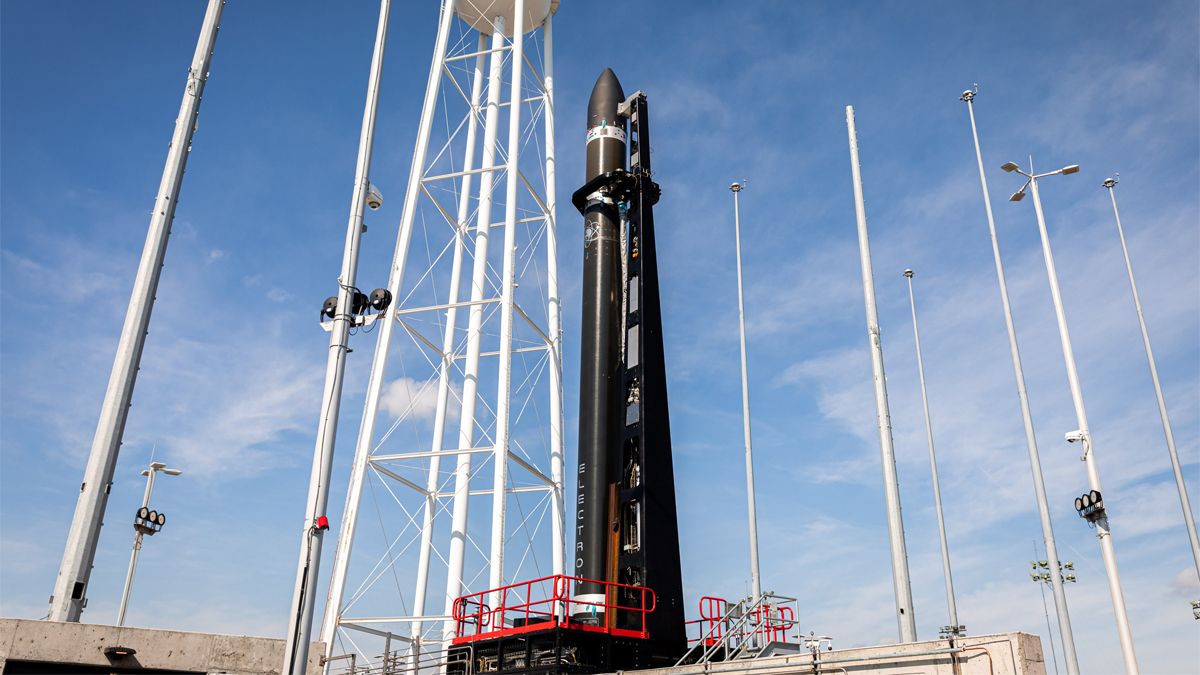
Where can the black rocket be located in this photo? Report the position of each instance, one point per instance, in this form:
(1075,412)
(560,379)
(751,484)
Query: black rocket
(626,526)
(600,360)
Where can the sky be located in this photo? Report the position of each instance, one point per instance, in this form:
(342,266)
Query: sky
(230,383)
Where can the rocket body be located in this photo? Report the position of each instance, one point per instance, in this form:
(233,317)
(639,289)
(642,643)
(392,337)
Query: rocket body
(600,395)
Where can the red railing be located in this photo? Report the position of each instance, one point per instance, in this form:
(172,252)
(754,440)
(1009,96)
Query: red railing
(712,628)
(542,603)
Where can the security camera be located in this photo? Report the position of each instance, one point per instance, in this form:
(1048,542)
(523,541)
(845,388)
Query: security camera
(374,197)
(1074,436)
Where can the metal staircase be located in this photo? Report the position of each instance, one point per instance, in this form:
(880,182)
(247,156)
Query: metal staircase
(748,629)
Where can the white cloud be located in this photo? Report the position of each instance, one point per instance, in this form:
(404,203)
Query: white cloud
(408,398)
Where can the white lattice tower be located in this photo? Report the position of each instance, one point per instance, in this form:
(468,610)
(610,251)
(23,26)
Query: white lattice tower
(459,457)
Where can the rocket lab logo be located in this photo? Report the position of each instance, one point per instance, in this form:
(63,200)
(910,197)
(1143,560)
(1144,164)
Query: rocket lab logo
(590,234)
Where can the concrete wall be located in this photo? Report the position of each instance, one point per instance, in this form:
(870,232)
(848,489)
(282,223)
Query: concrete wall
(83,645)
(1005,654)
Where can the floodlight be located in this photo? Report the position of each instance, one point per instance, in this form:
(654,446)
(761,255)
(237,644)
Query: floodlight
(1009,166)
(1067,170)
(161,520)
(143,513)
(1017,196)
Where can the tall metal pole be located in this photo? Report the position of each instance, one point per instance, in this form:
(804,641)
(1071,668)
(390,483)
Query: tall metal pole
(955,628)
(375,381)
(1035,462)
(295,659)
(137,547)
(1184,502)
(751,512)
(455,560)
(553,310)
(905,619)
(507,302)
(446,367)
(70,589)
(1124,633)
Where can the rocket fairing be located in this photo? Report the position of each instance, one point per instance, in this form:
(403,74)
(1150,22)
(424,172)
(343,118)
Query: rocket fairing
(600,393)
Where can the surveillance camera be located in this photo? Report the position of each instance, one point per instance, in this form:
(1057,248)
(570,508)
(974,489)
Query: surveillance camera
(374,197)
(1074,436)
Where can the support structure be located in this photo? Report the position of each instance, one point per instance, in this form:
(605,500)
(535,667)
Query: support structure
(905,620)
(483,506)
(70,588)
(1189,522)
(1035,462)
(316,522)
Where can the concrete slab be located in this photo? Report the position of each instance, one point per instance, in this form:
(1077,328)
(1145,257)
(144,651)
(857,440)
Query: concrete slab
(83,645)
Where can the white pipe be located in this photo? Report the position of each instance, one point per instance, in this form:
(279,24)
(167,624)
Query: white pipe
(951,606)
(1184,502)
(1124,633)
(70,588)
(554,321)
(1035,462)
(366,432)
(466,420)
(751,511)
(312,537)
(446,367)
(504,378)
(891,484)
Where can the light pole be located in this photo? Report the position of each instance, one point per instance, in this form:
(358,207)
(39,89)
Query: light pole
(906,622)
(1110,184)
(1041,574)
(755,573)
(954,629)
(146,522)
(1098,516)
(1035,462)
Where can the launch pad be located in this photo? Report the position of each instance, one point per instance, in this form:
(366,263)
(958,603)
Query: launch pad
(538,627)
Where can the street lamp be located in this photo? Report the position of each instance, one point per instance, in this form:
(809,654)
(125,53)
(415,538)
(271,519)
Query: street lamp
(1110,184)
(145,522)
(1100,518)
(1035,462)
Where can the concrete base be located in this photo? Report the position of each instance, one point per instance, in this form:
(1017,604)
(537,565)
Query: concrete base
(28,646)
(1004,654)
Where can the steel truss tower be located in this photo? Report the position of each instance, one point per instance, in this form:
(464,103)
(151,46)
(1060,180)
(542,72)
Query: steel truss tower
(456,482)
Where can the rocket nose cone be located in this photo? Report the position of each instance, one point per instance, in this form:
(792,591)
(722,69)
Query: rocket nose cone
(606,96)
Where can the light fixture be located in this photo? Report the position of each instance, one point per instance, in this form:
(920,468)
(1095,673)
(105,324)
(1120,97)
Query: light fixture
(1090,506)
(173,472)
(1009,166)
(1017,196)
(161,520)
(1068,170)
(119,652)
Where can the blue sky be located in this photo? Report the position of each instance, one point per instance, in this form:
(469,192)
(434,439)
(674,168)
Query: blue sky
(231,377)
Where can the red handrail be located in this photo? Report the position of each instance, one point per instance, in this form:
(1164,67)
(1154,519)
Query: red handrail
(475,616)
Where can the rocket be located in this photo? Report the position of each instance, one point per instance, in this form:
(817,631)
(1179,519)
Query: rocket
(601,359)
(626,557)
